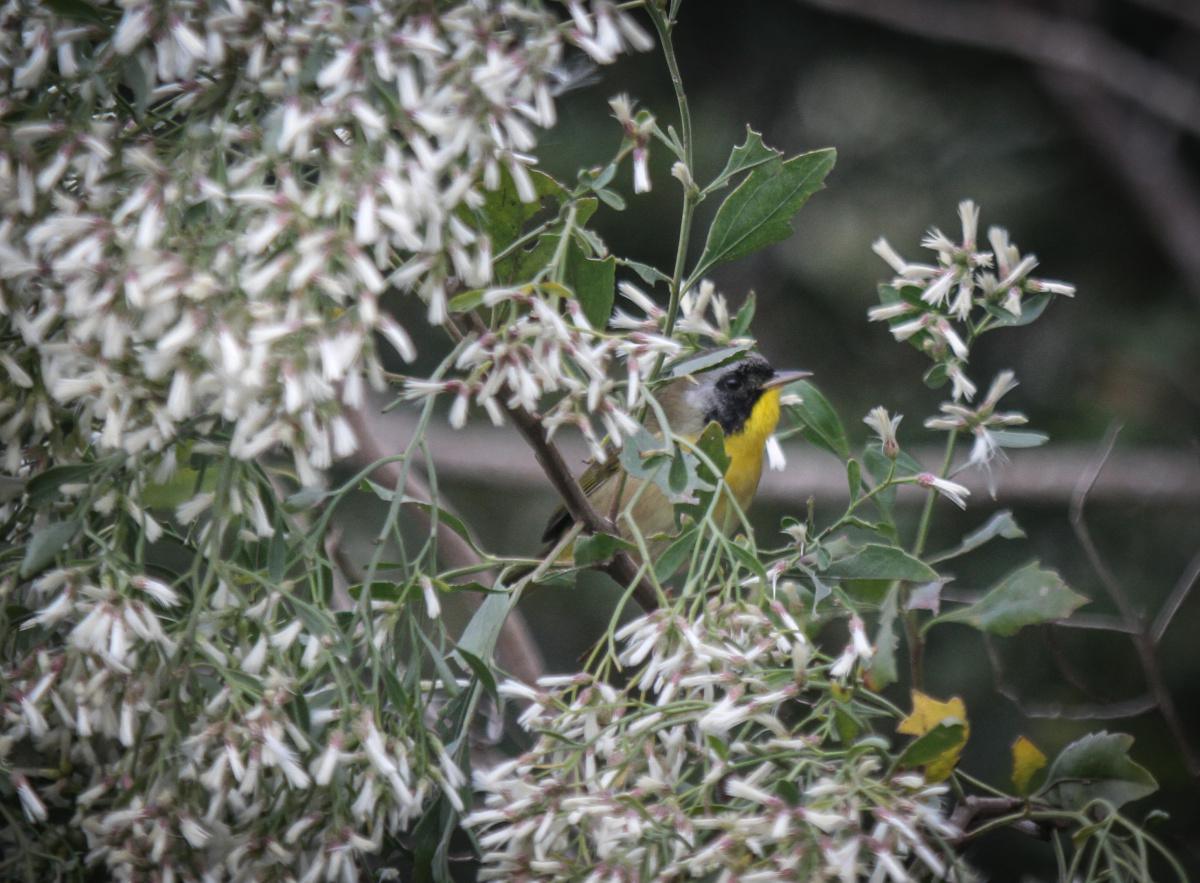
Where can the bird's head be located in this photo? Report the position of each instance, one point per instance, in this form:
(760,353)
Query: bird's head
(729,393)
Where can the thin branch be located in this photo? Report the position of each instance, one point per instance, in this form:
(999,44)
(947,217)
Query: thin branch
(1142,641)
(621,566)
(1043,39)
(1184,11)
(1187,581)
(1145,155)
(975,808)
(515,649)
(1122,708)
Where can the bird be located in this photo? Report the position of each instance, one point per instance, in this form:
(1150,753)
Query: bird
(742,397)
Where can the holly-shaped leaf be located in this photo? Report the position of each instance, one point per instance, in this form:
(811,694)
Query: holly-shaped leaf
(747,155)
(759,211)
(1026,596)
(1097,767)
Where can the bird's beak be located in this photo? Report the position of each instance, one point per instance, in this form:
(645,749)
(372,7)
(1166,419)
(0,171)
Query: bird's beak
(783,378)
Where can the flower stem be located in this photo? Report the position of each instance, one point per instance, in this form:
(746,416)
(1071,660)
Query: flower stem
(912,630)
(663,26)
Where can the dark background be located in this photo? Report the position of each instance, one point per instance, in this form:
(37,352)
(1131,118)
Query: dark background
(1100,184)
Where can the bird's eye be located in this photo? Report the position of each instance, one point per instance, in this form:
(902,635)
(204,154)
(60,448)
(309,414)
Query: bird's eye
(729,382)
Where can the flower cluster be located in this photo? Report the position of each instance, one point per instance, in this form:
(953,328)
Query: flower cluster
(203,205)
(254,785)
(717,760)
(203,208)
(549,349)
(942,307)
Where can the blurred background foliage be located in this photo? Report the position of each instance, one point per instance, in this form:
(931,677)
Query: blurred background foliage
(920,124)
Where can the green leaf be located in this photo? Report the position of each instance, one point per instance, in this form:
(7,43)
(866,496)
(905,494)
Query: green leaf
(1097,766)
(183,484)
(597,548)
(503,214)
(705,361)
(248,684)
(943,739)
(1031,308)
(481,670)
(848,727)
(878,562)
(467,301)
(611,198)
(1019,438)
(594,284)
(749,561)
(680,551)
(936,377)
(712,444)
(1002,524)
(677,477)
(79,11)
(853,477)
(479,637)
(45,544)
(643,456)
(740,326)
(759,211)
(43,487)
(1026,596)
(747,155)
(881,673)
(305,499)
(821,425)
(277,556)
(650,275)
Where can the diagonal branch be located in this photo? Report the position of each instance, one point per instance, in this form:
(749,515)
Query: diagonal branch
(621,567)
(1047,40)
(1142,641)
(1120,708)
(1187,581)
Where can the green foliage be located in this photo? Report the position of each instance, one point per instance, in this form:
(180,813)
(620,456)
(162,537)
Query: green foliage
(759,211)
(1025,597)
(819,421)
(1097,767)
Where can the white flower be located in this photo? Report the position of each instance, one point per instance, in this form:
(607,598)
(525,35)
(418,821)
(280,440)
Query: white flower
(776,460)
(885,427)
(31,804)
(955,493)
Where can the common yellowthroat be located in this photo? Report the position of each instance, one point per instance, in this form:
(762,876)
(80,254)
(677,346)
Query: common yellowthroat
(741,397)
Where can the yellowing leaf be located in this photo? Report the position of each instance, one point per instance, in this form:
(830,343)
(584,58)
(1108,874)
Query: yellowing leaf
(929,714)
(1028,761)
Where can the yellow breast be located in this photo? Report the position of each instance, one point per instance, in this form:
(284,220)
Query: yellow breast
(745,449)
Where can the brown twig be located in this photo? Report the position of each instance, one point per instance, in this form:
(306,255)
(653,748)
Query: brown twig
(1142,641)
(973,808)
(621,566)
